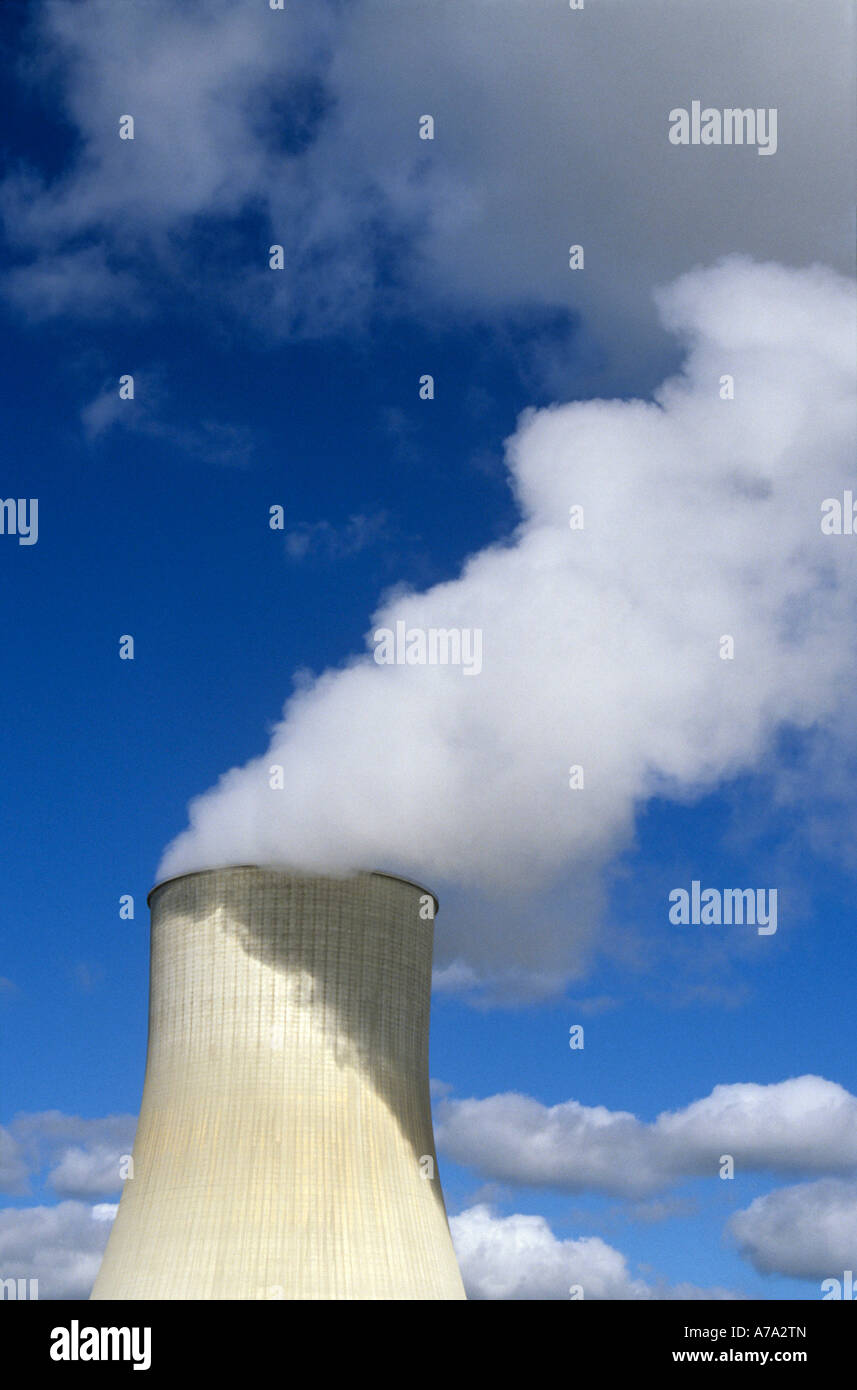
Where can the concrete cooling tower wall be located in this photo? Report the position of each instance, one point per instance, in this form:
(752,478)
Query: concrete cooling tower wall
(285,1146)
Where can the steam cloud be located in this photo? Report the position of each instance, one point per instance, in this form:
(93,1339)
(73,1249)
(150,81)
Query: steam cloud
(601,645)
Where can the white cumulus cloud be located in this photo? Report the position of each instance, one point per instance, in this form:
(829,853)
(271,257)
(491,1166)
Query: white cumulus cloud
(78,1157)
(61,1246)
(806,1125)
(807,1232)
(14,1170)
(519,1257)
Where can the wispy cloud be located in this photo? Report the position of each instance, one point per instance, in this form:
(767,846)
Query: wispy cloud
(324,540)
(60,1246)
(72,283)
(210,441)
(286,119)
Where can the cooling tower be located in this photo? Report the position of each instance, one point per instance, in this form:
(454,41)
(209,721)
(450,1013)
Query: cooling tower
(284,1147)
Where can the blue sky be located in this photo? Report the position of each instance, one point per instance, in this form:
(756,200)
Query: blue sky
(153,521)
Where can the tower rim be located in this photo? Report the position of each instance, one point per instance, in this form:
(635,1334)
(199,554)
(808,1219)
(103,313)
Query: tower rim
(293,873)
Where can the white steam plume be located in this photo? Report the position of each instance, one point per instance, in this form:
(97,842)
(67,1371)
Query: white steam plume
(601,645)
